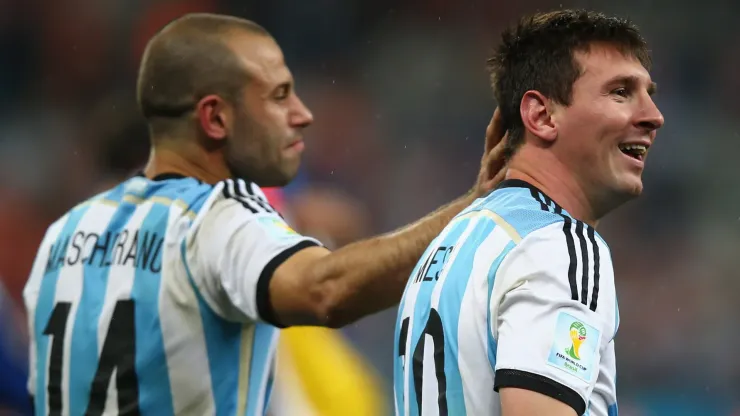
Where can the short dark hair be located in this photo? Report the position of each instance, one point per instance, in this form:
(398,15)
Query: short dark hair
(187,60)
(539,54)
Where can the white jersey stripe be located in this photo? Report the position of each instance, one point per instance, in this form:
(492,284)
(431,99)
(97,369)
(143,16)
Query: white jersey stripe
(31,295)
(475,371)
(69,289)
(119,287)
(445,271)
(408,311)
(405,308)
(178,309)
(430,395)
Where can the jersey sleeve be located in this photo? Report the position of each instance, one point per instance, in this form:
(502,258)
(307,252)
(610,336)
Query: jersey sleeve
(234,251)
(550,335)
(604,397)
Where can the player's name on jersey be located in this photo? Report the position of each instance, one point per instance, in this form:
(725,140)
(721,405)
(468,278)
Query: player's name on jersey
(434,264)
(140,249)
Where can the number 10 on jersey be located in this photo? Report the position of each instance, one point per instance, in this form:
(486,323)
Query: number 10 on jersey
(434,331)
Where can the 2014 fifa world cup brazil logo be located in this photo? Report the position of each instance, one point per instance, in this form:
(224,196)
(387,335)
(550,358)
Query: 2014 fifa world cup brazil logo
(578,336)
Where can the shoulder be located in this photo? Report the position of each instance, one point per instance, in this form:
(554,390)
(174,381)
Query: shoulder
(240,208)
(551,248)
(234,202)
(523,207)
(240,193)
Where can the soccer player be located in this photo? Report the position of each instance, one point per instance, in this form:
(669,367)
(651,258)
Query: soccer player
(512,308)
(164,295)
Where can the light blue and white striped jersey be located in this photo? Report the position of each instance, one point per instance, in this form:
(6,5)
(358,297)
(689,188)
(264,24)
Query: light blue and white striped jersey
(151,299)
(513,293)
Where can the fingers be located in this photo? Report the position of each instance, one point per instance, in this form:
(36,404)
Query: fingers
(495,174)
(495,157)
(495,131)
(500,176)
(495,164)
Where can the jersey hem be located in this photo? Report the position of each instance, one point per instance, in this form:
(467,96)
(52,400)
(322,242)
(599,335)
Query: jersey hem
(540,384)
(264,305)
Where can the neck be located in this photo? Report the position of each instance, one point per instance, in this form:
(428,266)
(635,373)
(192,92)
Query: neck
(543,170)
(188,159)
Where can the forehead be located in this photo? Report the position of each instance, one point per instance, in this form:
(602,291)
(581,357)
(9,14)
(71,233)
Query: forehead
(262,58)
(602,63)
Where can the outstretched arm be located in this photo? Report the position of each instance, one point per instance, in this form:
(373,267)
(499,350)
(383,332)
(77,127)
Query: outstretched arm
(318,287)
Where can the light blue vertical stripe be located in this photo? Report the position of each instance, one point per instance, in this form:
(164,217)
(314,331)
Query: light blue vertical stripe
(264,337)
(45,304)
(196,197)
(83,354)
(223,340)
(398,368)
(155,395)
(492,344)
(450,303)
(422,307)
(613,410)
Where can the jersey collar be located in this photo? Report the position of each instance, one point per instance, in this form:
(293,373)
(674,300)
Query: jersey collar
(163,176)
(518,183)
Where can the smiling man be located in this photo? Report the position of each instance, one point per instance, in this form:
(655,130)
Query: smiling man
(512,309)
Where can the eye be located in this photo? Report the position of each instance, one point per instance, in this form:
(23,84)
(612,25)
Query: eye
(622,92)
(282,92)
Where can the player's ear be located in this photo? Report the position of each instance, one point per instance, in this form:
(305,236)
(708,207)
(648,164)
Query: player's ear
(536,115)
(214,116)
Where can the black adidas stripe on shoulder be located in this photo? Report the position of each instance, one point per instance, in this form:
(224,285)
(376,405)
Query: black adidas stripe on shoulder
(597,267)
(546,203)
(243,193)
(584,257)
(248,187)
(573,265)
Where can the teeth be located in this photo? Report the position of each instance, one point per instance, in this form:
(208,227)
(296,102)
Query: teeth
(636,148)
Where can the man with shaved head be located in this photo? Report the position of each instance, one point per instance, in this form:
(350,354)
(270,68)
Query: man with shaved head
(164,295)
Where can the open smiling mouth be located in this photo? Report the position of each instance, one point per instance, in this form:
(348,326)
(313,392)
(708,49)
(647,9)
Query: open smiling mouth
(635,151)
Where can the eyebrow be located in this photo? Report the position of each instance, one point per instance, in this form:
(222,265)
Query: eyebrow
(633,81)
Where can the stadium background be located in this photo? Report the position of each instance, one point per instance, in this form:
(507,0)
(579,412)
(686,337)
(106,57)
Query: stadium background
(401,101)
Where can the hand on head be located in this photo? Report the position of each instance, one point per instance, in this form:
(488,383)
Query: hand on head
(493,163)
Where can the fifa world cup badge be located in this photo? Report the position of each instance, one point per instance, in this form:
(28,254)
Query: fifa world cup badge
(575,348)
(277,228)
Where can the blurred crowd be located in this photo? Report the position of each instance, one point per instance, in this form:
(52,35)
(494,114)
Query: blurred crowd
(401,100)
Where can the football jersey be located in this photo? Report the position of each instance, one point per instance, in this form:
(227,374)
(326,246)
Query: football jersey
(515,292)
(152,298)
